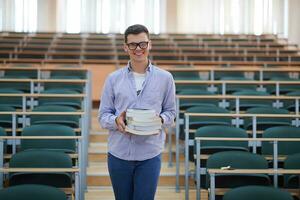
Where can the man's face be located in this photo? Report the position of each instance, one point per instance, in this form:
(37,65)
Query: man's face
(137,47)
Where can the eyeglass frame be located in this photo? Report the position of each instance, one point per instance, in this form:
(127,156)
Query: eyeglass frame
(137,44)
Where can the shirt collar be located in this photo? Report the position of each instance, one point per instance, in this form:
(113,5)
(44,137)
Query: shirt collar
(149,67)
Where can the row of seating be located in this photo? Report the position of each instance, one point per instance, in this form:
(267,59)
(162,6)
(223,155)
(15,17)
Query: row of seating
(52,138)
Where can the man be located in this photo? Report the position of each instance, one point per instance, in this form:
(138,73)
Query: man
(134,161)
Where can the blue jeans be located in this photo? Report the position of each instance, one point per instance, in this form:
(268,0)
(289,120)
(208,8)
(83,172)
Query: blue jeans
(134,180)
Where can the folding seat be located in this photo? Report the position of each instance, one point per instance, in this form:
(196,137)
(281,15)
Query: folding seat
(231,87)
(292,162)
(15,102)
(284,148)
(250,103)
(63,101)
(41,159)
(32,192)
(68,120)
(185,75)
(186,103)
(76,74)
(6,120)
(23,86)
(267,122)
(290,104)
(79,87)
(237,160)
(283,88)
(222,131)
(65,145)
(257,193)
(196,122)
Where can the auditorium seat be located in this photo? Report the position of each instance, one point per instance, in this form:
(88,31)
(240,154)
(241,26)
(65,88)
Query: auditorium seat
(257,193)
(32,192)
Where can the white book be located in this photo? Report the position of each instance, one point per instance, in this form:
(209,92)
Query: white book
(144,128)
(152,132)
(140,113)
(145,123)
(142,120)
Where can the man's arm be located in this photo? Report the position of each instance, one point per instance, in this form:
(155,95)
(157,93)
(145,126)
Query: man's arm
(106,114)
(168,112)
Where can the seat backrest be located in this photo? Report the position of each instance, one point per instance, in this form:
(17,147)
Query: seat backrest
(69,120)
(6,120)
(32,192)
(238,160)
(186,103)
(257,193)
(222,131)
(15,102)
(267,122)
(250,103)
(196,122)
(284,148)
(65,145)
(292,162)
(63,101)
(2,132)
(41,159)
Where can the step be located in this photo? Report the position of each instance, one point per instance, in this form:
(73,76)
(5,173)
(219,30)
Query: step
(101,135)
(98,153)
(97,175)
(162,193)
(98,136)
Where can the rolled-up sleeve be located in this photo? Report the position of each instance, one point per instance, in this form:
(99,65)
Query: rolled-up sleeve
(106,114)
(168,112)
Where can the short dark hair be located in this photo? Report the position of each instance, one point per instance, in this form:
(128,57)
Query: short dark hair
(135,29)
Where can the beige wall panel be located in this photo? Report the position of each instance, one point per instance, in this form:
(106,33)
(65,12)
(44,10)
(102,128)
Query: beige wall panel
(99,74)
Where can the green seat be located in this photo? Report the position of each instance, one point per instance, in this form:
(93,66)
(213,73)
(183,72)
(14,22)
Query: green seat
(266,122)
(250,103)
(65,145)
(15,102)
(13,73)
(22,86)
(68,73)
(292,162)
(284,148)
(223,132)
(228,75)
(186,103)
(32,192)
(185,75)
(181,87)
(41,159)
(290,104)
(6,120)
(237,160)
(196,122)
(69,120)
(230,88)
(2,133)
(79,87)
(63,101)
(257,193)
(283,89)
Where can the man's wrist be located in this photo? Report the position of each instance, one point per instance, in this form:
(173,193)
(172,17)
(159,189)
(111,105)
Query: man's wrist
(162,119)
(116,120)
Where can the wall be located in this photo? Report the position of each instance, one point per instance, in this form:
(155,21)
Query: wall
(294,24)
(47,15)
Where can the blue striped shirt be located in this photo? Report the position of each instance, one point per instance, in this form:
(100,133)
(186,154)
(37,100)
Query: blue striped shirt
(119,94)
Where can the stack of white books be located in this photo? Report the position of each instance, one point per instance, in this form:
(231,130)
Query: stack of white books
(142,122)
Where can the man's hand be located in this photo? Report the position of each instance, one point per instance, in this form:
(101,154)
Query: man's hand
(120,121)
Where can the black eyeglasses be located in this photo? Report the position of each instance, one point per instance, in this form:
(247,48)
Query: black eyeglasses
(142,45)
